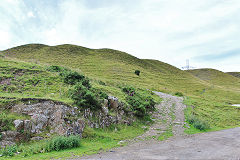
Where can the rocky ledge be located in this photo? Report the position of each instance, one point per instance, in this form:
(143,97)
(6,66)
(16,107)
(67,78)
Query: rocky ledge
(56,118)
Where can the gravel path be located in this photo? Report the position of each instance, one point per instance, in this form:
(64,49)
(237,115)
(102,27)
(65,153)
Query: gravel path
(171,111)
(218,145)
(170,118)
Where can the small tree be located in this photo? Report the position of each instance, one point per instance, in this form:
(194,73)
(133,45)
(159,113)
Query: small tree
(137,72)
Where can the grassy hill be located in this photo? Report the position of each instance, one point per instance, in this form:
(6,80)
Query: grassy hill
(235,74)
(217,78)
(110,66)
(24,74)
(210,91)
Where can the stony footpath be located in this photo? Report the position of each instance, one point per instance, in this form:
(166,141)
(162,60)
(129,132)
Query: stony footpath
(168,120)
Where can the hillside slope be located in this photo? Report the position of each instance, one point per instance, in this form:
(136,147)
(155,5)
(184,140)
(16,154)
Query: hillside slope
(110,66)
(117,68)
(210,91)
(25,80)
(235,74)
(217,78)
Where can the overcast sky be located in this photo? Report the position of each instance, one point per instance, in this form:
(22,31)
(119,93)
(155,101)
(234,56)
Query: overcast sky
(207,32)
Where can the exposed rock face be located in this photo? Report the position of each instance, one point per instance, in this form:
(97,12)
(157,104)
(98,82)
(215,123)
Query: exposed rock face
(10,135)
(19,124)
(63,120)
(105,118)
(45,115)
(4,143)
(27,126)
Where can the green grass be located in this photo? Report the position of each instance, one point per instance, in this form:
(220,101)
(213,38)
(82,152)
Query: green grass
(26,80)
(217,78)
(7,118)
(165,135)
(219,115)
(97,140)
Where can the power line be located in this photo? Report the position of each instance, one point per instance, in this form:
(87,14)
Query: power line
(187,67)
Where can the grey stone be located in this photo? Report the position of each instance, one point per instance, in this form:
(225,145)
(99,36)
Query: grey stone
(39,122)
(18,124)
(105,103)
(113,102)
(27,126)
(105,110)
(38,138)
(4,143)
(9,135)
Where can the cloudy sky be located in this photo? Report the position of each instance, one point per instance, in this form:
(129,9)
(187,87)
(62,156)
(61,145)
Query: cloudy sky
(207,32)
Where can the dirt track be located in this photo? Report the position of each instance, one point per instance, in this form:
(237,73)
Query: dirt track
(223,144)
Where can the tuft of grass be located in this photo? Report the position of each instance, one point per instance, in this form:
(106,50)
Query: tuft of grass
(165,135)
(8,151)
(198,123)
(55,144)
(60,143)
(180,94)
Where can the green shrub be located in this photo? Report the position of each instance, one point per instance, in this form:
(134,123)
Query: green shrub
(85,82)
(191,119)
(55,69)
(129,90)
(180,94)
(198,123)
(99,94)
(137,107)
(140,104)
(137,72)
(8,151)
(102,83)
(70,77)
(83,97)
(61,143)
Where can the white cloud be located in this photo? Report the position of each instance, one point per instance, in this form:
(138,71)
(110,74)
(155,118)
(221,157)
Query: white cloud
(5,38)
(30,14)
(170,31)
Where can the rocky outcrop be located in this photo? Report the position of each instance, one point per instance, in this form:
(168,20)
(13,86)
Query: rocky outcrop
(48,116)
(19,124)
(112,113)
(8,138)
(52,117)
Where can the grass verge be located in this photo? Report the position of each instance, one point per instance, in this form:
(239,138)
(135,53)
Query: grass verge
(97,140)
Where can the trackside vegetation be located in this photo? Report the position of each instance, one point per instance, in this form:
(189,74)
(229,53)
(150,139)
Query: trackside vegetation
(54,144)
